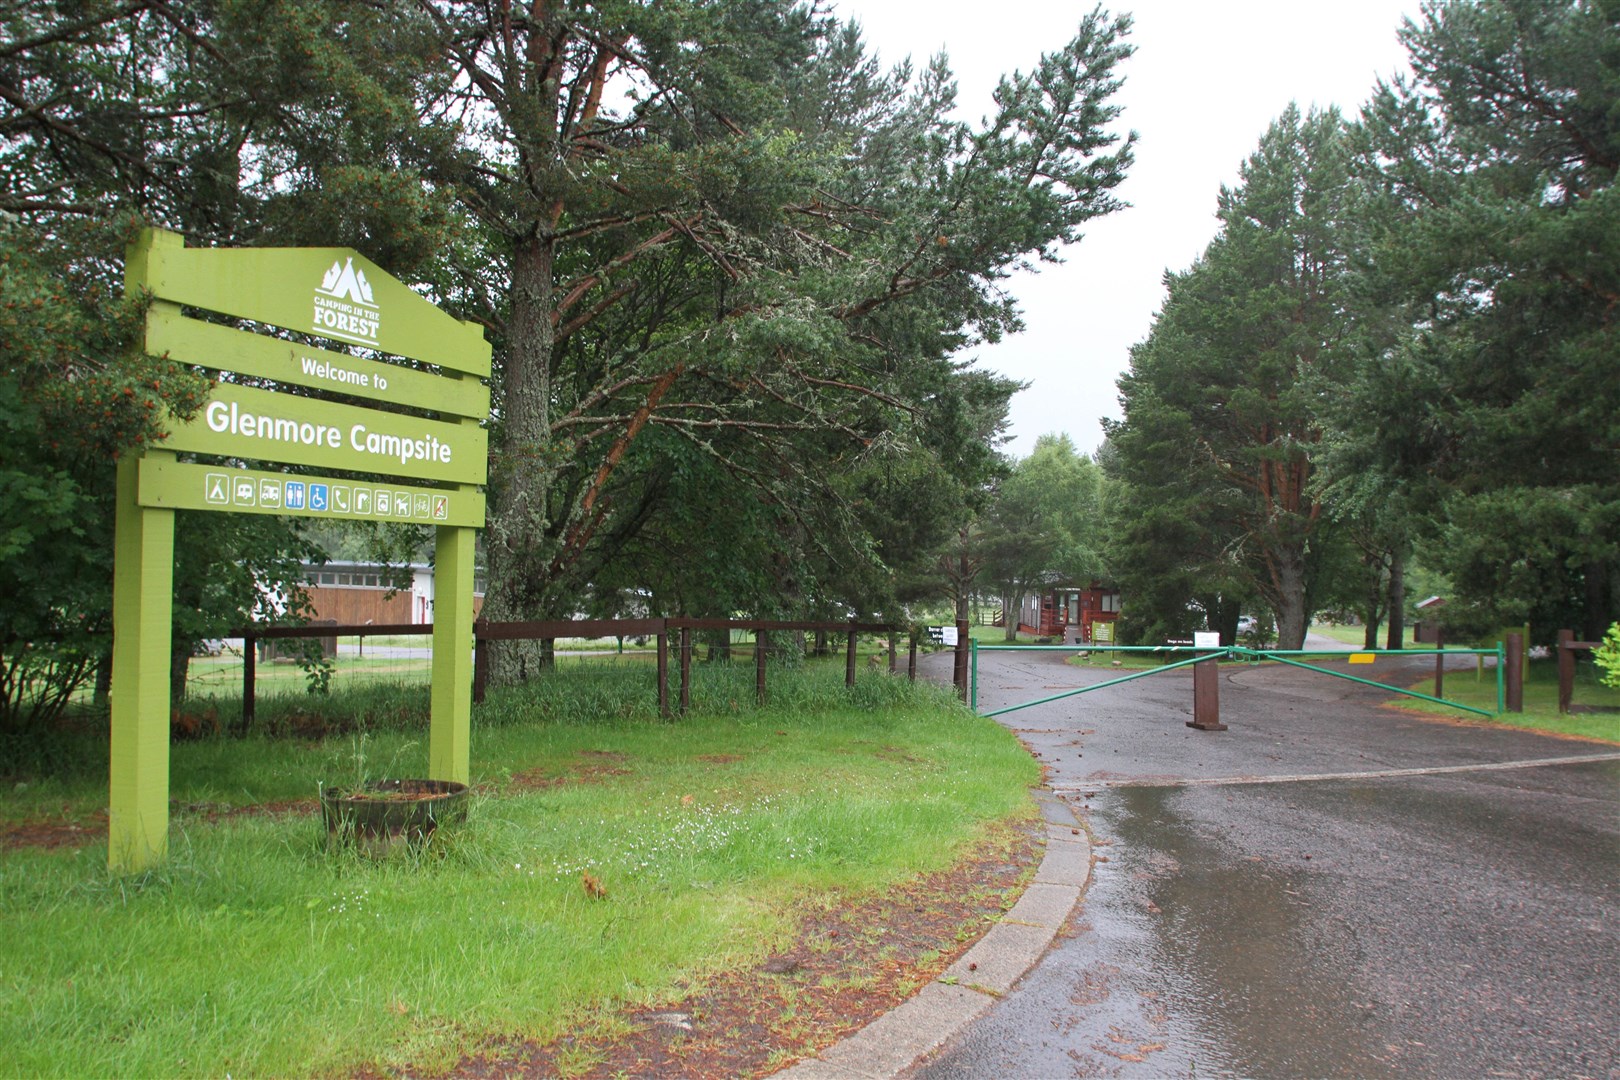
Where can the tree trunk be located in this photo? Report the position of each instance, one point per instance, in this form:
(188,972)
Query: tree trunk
(103,690)
(1224,612)
(179,668)
(1290,580)
(1601,610)
(1373,616)
(719,642)
(1397,598)
(1009,615)
(964,583)
(517,539)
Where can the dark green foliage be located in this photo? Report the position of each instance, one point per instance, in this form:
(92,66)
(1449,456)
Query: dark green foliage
(1499,159)
(237,121)
(74,394)
(764,256)
(1222,421)
(724,259)
(1422,355)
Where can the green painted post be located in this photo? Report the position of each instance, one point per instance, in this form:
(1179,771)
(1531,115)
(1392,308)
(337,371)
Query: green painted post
(1501,678)
(973,652)
(143,594)
(143,591)
(450,718)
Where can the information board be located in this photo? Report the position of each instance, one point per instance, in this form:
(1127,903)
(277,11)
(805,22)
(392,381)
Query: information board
(389,401)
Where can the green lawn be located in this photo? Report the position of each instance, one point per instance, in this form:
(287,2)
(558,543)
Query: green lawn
(1540,701)
(255,951)
(1357,635)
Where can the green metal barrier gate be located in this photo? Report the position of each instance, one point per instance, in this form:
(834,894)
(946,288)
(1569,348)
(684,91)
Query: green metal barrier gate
(1281,656)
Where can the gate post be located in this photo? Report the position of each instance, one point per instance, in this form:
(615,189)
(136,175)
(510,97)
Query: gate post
(250,658)
(1566,670)
(1515,672)
(480,661)
(1206,697)
(1440,663)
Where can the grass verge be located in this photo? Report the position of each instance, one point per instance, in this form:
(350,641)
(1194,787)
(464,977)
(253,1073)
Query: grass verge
(255,950)
(1540,702)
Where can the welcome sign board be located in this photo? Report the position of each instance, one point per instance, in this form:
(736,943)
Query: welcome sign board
(394,430)
(333,293)
(329,292)
(293,363)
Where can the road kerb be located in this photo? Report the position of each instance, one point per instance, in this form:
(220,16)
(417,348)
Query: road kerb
(896,1041)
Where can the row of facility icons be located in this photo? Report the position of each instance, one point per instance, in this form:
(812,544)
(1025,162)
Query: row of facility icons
(319,497)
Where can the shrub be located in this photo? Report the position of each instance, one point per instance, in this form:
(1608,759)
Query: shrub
(1608,657)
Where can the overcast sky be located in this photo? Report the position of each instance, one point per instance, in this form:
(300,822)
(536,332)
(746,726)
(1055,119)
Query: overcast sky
(1206,81)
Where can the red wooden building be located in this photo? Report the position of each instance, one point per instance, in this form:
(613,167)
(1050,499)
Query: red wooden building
(1070,613)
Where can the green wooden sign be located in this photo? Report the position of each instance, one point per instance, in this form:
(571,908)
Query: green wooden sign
(261,425)
(252,491)
(209,345)
(330,292)
(334,294)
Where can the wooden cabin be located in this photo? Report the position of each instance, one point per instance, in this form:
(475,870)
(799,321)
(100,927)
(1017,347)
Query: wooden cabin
(1070,613)
(358,594)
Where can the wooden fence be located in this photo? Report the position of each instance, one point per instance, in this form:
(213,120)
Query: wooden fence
(1567,647)
(661,629)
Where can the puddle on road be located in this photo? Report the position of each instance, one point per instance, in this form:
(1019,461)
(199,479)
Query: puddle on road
(1210,964)
(1187,960)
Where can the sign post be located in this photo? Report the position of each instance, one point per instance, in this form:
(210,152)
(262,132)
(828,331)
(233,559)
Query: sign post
(380,464)
(1206,686)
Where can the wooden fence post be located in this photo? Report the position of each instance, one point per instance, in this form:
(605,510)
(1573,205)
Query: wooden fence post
(686,669)
(761,646)
(1515,672)
(1206,697)
(480,662)
(849,661)
(1566,670)
(911,660)
(663,671)
(894,651)
(250,660)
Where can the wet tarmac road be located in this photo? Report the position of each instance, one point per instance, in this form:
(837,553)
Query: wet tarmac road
(1441,906)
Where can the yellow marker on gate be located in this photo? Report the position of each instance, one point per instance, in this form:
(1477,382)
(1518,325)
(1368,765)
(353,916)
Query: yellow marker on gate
(1362,658)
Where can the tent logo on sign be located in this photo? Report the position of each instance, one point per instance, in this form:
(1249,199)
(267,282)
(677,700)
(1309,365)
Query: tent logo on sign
(344,307)
(216,488)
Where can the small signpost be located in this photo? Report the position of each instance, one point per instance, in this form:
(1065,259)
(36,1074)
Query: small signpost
(382,462)
(1206,685)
